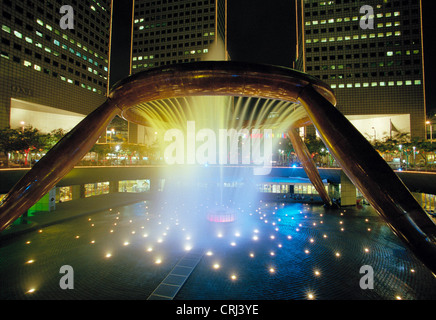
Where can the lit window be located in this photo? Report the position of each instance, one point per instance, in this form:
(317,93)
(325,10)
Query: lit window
(18,34)
(29,40)
(408,83)
(399,83)
(49,27)
(40,22)
(6,28)
(27,63)
(417,82)
(37,68)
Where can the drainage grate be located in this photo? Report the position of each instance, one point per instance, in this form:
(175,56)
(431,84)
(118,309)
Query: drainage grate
(174,281)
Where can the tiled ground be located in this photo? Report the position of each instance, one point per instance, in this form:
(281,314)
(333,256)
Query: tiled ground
(272,251)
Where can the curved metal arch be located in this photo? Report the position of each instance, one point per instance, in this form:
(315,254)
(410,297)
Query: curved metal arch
(363,165)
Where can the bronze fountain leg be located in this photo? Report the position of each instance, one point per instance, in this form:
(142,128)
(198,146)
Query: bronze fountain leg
(56,164)
(373,176)
(308,165)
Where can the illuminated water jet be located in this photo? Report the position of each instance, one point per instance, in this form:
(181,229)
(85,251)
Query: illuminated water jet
(134,99)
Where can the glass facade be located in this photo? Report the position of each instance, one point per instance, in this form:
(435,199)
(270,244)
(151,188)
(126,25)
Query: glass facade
(65,194)
(38,56)
(373,71)
(134,186)
(428,202)
(95,189)
(297,188)
(169,31)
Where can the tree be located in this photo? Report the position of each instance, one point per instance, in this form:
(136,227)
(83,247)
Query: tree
(54,137)
(8,141)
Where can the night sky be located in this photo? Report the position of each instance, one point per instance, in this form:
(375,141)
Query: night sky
(264,32)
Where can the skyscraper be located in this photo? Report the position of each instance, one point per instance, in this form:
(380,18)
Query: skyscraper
(166,32)
(371,54)
(176,31)
(52,74)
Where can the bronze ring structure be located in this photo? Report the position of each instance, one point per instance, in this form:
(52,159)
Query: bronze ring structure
(358,159)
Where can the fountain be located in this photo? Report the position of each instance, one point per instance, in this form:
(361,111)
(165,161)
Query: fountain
(148,97)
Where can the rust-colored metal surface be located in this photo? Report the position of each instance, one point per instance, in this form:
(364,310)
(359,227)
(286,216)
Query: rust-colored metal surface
(373,177)
(370,173)
(309,165)
(210,78)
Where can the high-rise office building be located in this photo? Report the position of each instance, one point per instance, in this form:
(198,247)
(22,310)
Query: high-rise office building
(371,54)
(54,63)
(176,31)
(166,32)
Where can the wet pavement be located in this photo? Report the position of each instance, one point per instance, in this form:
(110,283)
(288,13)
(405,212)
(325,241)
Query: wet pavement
(272,251)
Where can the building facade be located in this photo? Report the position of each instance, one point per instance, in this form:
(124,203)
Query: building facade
(166,32)
(371,54)
(176,31)
(52,74)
